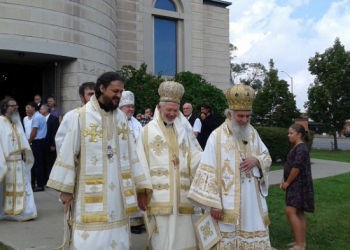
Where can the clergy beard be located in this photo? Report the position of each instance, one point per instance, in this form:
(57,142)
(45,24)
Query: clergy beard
(166,120)
(109,103)
(241,132)
(14,117)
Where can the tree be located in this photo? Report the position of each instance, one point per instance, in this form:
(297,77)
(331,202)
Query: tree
(198,91)
(329,95)
(251,74)
(274,105)
(145,85)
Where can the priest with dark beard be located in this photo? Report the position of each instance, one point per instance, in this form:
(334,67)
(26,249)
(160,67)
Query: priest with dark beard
(16,160)
(232,179)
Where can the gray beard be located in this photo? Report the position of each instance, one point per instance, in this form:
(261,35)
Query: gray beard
(14,118)
(241,133)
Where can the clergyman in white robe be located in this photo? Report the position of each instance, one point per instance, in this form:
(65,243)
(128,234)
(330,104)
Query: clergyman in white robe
(220,184)
(16,160)
(168,148)
(98,164)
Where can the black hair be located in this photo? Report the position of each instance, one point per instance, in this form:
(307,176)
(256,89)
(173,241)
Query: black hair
(206,106)
(34,105)
(105,79)
(86,85)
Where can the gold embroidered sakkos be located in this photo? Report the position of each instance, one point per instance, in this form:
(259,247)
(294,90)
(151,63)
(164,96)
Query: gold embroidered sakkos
(93,132)
(158,145)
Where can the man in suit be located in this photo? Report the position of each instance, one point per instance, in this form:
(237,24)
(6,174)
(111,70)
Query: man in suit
(50,147)
(37,100)
(209,123)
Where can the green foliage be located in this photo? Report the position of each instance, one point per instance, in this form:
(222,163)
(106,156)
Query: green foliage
(276,140)
(145,85)
(198,91)
(274,105)
(329,95)
(4,247)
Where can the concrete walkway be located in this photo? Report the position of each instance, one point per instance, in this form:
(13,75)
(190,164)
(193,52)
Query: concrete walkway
(45,232)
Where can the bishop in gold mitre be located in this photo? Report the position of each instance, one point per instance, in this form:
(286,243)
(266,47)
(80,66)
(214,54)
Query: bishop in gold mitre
(168,148)
(232,179)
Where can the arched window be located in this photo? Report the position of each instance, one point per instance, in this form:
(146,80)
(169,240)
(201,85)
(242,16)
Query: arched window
(165,5)
(167,36)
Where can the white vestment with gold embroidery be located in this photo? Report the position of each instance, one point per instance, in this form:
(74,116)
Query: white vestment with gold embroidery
(16,194)
(220,184)
(172,160)
(135,130)
(98,164)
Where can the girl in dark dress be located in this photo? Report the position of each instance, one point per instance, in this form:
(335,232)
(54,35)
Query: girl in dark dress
(297,181)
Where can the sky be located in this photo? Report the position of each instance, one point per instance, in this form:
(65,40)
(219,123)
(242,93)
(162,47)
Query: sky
(290,32)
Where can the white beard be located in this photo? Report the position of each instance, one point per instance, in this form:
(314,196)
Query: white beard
(14,118)
(166,120)
(241,132)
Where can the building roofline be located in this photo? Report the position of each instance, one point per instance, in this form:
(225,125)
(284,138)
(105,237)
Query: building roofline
(217,3)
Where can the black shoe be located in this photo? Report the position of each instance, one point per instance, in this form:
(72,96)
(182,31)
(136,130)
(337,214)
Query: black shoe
(136,230)
(38,189)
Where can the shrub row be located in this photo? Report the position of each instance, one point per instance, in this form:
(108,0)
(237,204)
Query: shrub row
(276,140)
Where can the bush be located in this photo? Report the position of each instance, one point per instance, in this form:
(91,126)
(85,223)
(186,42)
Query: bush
(197,90)
(276,140)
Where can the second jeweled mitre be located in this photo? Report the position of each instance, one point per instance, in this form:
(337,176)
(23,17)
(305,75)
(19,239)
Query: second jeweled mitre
(240,97)
(170,91)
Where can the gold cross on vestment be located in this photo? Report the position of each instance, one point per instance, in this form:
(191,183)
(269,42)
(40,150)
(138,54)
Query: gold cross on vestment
(123,130)
(176,161)
(93,132)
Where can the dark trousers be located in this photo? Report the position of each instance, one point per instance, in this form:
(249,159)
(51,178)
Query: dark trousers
(37,171)
(49,159)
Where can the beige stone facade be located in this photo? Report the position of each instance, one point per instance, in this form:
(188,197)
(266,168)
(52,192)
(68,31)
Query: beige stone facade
(81,39)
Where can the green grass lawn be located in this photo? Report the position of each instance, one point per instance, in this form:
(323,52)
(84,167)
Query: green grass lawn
(328,227)
(339,155)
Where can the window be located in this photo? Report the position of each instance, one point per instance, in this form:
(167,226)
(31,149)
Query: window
(165,5)
(165,47)
(167,36)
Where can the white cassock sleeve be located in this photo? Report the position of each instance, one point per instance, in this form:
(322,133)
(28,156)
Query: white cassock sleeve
(63,173)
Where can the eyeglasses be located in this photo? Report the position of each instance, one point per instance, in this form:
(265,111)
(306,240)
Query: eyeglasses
(14,106)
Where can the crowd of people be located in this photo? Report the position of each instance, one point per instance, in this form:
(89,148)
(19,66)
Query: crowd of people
(116,172)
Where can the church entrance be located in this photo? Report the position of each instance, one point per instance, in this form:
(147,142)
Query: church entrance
(23,82)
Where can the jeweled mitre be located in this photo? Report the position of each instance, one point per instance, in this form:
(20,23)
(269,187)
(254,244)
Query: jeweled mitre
(170,91)
(240,97)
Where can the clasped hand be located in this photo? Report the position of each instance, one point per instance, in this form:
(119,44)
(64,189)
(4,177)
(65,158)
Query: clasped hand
(248,163)
(216,213)
(284,185)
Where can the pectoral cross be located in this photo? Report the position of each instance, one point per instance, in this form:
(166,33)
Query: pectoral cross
(93,132)
(176,161)
(123,130)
